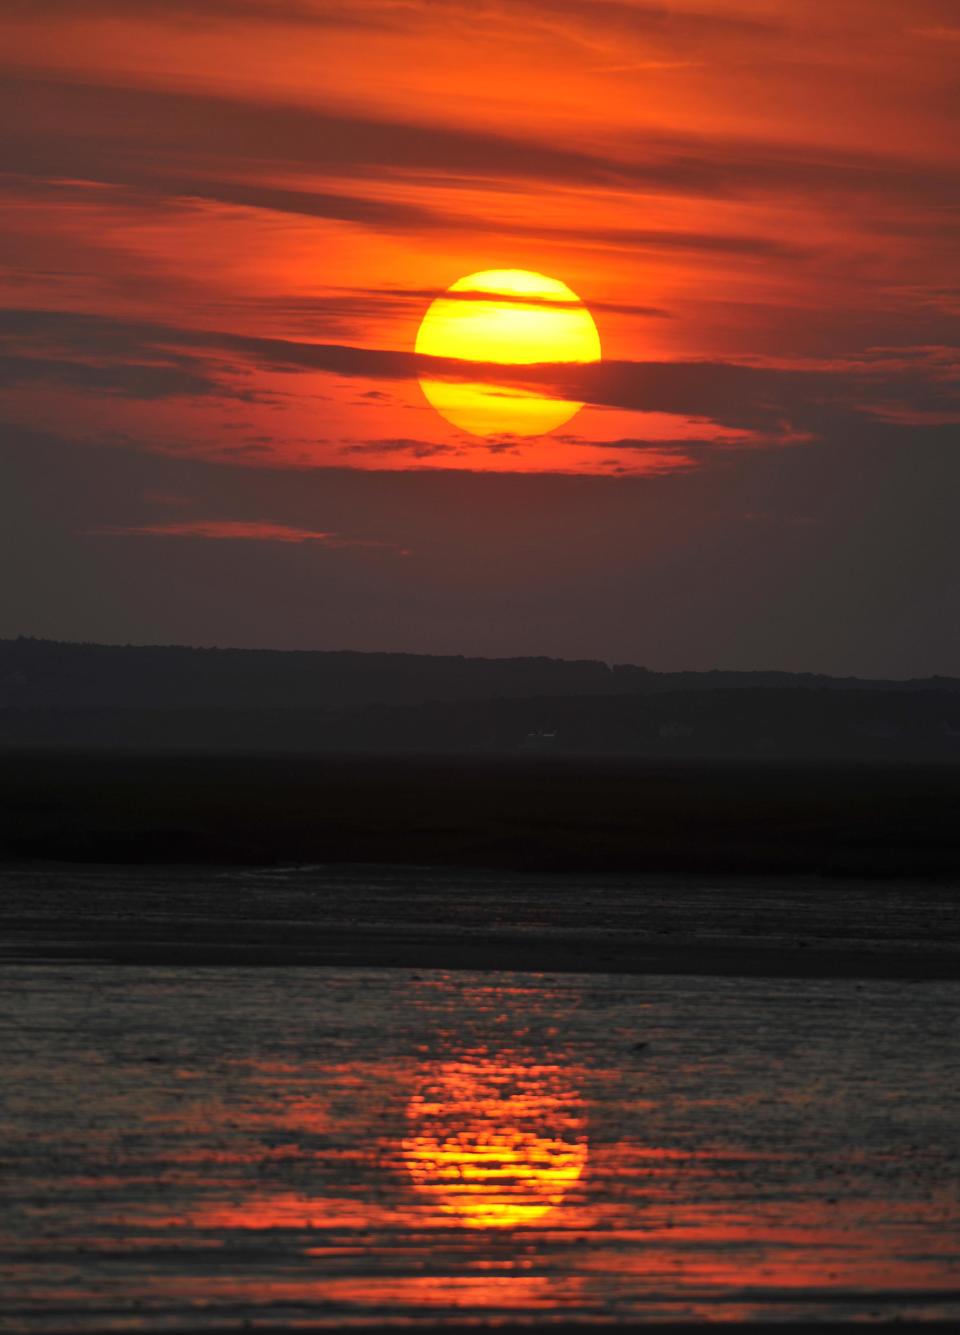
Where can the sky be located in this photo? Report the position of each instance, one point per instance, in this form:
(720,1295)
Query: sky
(223,222)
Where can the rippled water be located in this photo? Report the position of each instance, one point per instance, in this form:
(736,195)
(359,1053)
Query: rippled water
(424,916)
(190,1147)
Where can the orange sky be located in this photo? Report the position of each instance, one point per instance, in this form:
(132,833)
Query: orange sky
(223,221)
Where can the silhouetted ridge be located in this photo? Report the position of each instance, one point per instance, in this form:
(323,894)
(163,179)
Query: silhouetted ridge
(48,674)
(41,672)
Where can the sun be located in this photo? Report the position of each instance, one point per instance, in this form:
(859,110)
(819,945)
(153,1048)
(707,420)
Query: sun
(510,317)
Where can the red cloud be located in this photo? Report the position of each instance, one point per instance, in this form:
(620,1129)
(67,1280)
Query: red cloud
(233,530)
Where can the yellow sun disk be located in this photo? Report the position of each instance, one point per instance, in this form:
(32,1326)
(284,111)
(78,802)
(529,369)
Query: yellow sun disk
(510,331)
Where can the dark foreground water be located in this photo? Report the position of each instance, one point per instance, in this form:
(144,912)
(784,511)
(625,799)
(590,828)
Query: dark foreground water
(197,1147)
(423,917)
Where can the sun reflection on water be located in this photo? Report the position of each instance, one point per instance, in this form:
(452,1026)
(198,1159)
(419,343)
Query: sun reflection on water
(497,1141)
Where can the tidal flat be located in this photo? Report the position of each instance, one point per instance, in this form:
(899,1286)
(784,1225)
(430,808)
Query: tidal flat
(198,1145)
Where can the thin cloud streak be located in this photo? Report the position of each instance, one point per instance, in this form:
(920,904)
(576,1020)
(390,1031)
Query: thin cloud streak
(753,397)
(393,215)
(238,530)
(81,129)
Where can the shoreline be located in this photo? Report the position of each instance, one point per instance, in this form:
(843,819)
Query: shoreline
(759,818)
(811,1325)
(400,947)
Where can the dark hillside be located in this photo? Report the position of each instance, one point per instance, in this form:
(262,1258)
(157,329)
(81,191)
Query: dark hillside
(46,674)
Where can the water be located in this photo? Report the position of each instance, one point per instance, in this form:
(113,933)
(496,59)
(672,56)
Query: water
(416,915)
(195,1147)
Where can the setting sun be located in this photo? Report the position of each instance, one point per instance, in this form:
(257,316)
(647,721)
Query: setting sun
(510,317)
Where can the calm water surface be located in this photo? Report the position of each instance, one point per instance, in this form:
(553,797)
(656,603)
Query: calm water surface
(195,1147)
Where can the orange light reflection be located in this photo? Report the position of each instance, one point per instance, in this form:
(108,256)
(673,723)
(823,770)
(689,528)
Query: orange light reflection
(495,1142)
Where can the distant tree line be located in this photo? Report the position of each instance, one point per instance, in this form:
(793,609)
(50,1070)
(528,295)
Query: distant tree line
(44,674)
